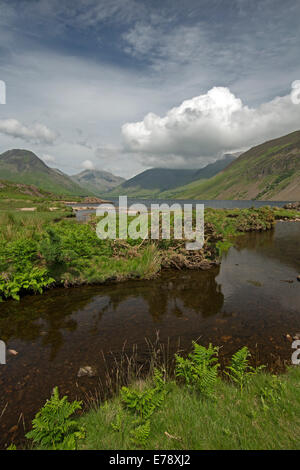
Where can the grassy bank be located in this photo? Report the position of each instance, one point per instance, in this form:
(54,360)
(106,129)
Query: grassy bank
(49,248)
(198,407)
(232,420)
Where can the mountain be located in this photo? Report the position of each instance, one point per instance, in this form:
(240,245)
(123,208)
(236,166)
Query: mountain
(156,182)
(23,166)
(97,181)
(270,171)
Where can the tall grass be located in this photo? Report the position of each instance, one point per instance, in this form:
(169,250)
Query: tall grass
(18,225)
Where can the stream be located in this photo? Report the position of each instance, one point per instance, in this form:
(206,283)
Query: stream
(252,299)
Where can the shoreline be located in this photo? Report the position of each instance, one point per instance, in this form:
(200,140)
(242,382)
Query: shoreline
(99,262)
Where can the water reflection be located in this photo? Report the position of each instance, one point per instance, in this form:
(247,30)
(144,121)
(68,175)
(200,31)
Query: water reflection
(60,311)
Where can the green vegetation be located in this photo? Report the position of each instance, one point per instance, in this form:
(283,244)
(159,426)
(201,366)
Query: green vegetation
(264,416)
(270,171)
(201,408)
(53,427)
(47,248)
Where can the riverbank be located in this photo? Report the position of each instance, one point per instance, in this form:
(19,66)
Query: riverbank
(193,411)
(48,248)
(261,418)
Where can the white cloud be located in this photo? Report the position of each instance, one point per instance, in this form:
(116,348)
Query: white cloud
(48,158)
(87,165)
(208,125)
(38,132)
(133,58)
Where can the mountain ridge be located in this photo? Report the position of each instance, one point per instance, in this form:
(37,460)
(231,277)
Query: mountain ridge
(268,171)
(156,181)
(97,181)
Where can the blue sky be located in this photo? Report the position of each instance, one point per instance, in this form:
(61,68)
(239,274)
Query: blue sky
(124,85)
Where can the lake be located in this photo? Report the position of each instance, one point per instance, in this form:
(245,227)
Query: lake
(213,203)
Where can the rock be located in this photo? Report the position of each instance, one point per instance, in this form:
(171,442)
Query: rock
(12,352)
(292,205)
(87,371)
(289,338)
(225,338)
(95,200)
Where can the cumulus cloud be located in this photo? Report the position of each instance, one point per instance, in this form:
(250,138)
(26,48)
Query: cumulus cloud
(38,133)
(87,165)
(209,125)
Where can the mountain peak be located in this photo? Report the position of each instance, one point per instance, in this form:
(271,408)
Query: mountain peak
(22,159)
(97,181)
(24,166)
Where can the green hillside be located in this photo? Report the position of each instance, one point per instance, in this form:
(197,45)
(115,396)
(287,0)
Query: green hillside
(23,166)
(156,181)
(270,171)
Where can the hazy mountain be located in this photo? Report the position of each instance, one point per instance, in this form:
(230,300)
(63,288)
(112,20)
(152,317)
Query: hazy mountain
(97,181)
(155,181)
(23,166)
(270,171)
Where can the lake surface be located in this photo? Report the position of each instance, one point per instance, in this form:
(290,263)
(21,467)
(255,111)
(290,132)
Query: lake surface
(252,299)
(215,204)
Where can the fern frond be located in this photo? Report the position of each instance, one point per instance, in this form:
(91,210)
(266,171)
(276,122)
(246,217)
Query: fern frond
(140,435)
(52,426)
(239,368)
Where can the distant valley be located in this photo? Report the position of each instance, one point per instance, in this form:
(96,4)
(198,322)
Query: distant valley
(160,182)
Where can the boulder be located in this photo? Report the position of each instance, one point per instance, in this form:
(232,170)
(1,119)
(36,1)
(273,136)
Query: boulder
(87,371)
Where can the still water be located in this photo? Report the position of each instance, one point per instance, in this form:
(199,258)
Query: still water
(212,203)
(253,299)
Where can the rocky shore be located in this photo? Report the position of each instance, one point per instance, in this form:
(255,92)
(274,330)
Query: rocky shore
(293,206)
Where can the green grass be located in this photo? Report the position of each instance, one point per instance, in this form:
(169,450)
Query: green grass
(51,244)
(232,420)
(184,404)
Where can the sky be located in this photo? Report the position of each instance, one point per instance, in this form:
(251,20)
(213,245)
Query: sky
(126,85)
